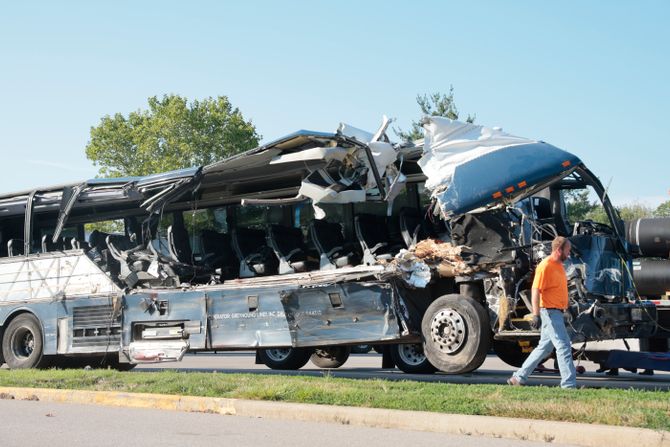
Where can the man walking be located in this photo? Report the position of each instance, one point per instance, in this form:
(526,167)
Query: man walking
(550,300)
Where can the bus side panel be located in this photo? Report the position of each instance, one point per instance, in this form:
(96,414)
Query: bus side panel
(248,318)
(346,313)
(156,309)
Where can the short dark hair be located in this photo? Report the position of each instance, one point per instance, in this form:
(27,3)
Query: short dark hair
(558,242)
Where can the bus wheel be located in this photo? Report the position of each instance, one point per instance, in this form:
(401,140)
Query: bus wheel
(2,358)
(410,358)
(456,334)
(285,358)
(22,343)
(330,356)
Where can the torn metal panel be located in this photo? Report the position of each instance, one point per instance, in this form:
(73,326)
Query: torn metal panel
(308,279)
(350,131)
(52,275)
(470,166)
(70,196)
(321,187)
(316,153)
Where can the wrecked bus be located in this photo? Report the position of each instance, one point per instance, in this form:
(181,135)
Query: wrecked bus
(308,245)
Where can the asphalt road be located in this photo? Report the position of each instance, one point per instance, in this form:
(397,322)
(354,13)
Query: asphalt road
(26,423)
(366,366)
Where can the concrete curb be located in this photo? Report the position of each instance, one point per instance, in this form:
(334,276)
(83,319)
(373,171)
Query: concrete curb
(586,435)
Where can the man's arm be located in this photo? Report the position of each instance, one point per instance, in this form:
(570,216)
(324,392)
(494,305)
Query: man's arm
(535,301)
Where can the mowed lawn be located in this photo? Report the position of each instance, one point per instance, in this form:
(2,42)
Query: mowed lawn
(634,408)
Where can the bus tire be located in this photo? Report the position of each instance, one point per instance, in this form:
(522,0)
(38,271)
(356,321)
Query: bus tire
(285,358)
(22,344)
(330,356)
(2,358)
(456,333)
(411,359)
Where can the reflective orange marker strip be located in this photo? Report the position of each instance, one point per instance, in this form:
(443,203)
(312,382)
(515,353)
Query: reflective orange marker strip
(509,189)
(522,184)
(497,195)
(566,163)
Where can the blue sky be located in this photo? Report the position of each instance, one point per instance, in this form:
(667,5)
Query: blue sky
(589,77)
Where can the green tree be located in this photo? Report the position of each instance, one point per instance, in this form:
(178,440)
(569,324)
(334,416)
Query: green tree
(634,210)
(172,134)
(663,210)
(578,204)
(598,214)
(436,104)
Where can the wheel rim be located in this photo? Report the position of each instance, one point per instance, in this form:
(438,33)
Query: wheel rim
(448,330)
(411,354)
(23,343)
(278,354)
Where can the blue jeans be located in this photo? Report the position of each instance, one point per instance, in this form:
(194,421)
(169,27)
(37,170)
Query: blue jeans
(552,335)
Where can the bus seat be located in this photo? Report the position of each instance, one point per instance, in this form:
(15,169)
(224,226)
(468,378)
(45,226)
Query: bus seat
(48,245)
(15,247)
(178,244)
(328,239)
(253,253)
(218,253)
(290,248)
(372,234)
(412,227)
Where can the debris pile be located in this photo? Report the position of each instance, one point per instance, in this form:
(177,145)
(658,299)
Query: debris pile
(430,255)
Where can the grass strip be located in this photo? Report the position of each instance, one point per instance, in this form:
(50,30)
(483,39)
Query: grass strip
(632,408)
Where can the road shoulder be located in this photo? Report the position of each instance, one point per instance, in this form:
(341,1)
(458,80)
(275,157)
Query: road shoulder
(586,435)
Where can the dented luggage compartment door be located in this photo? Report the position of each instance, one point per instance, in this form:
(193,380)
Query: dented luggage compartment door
(347,313)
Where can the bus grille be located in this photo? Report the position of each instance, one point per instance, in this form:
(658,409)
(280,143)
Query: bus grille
(93,326)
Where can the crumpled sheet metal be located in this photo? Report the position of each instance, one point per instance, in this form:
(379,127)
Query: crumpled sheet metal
(449,143)
(321,187)
(470,166)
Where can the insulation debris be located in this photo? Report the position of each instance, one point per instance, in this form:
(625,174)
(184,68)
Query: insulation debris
(430,255)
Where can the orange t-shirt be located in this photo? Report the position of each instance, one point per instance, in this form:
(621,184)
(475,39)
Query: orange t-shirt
(552,283)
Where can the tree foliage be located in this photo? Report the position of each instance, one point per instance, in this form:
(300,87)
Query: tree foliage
(634,210)
(663,210)
(435,104)
(578,204)
(581,208)
(172,134)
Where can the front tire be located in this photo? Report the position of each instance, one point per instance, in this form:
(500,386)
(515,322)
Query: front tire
(22,345)
(457,334)
(330,357)
(411,359)
(284,358)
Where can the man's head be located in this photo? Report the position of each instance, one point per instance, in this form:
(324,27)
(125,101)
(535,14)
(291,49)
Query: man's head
(560,248)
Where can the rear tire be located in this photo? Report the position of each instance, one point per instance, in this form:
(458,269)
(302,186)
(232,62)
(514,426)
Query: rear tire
(411,359)
(285,358)
(22,344)
(2,358)
(330,356)
(456,333)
